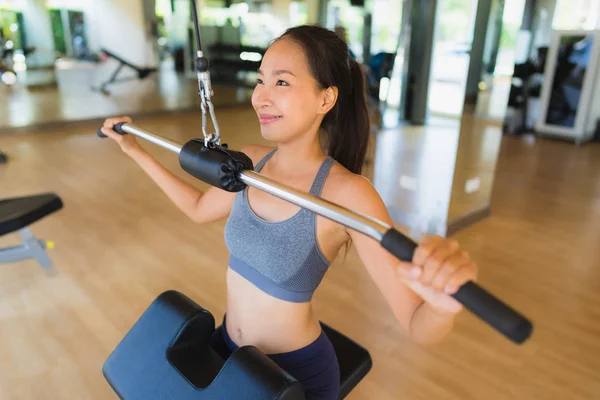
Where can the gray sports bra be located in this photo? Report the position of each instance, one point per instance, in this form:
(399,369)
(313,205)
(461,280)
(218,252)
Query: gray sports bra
(283,258)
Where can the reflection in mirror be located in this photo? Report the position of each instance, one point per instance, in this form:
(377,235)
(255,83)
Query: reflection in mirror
(505,45)
(569,103)
(24,54)
(437,177)
(492,61)
(73,60)
(450,59)
(569,73)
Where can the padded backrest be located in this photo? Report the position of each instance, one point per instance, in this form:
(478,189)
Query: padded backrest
(166,355)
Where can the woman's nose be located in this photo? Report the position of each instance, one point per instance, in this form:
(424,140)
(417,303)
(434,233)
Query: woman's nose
(261,97)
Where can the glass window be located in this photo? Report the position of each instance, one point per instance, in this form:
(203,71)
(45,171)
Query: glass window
(341,14)
(387,22)
(576,14)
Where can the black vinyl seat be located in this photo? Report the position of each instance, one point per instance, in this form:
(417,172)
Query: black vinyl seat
(16,214)
(169,354)
(19,212)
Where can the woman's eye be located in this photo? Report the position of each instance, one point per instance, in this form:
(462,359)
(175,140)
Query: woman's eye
(279,83)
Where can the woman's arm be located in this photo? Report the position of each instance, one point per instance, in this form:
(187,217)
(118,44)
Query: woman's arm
(201,207)
(418,292)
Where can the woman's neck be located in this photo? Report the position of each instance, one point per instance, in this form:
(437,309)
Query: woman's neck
(302,152)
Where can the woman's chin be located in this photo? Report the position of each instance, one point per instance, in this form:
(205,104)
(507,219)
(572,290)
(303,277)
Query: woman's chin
(269,134)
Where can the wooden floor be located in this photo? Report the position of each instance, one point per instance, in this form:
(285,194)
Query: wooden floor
(120,242)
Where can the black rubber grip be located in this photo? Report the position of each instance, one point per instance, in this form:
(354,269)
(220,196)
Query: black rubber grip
(480,302)
(399,245)
(117,128)
(495,312)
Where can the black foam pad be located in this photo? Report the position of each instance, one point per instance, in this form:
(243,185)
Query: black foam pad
(215,165)
(167,355)
(19,212)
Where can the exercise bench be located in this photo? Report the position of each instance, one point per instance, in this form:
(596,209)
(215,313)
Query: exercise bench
(142,73)
(174,352)
(16,215)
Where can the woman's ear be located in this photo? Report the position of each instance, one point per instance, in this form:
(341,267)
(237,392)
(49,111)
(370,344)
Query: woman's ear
(329,98)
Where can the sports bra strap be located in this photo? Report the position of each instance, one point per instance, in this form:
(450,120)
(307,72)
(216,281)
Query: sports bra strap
(319,181)
(262,162)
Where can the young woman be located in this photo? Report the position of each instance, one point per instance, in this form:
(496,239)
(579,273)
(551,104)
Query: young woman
(310,92)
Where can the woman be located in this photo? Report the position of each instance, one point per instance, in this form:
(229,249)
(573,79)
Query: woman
(309,86)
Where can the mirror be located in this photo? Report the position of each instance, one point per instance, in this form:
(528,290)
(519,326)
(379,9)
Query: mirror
(570,70)
(569,100)
(491,67)
(77,60)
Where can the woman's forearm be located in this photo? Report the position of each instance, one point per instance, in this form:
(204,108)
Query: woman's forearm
(429,326)
(184,195)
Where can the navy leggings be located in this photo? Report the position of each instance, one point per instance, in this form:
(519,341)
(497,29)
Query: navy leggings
(314,366)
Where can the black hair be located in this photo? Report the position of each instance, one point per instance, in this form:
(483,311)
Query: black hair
(347,124)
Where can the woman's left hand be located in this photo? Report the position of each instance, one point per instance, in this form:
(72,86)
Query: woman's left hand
(438,269)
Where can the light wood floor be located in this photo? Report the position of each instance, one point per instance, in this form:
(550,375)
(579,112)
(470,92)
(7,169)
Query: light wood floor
(120,242)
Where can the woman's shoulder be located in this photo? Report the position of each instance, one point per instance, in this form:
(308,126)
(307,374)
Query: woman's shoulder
(351,190)
(355,192)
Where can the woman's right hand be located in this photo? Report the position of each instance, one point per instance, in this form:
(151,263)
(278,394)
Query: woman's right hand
(128,143)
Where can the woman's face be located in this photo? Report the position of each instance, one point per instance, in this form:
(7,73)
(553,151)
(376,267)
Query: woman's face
(287,98)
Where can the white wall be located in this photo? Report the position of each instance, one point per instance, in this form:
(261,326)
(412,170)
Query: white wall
(119,27)
(8,3)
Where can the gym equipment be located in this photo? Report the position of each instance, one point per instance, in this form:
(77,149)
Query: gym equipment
(229,59)
(161,357)
(16,214)
(142,73)
(174,352)
(232,171)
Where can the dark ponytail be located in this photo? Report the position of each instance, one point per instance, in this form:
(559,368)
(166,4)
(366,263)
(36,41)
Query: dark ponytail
(347,124)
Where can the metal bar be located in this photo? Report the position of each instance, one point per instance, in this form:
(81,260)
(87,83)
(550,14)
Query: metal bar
(490,309)
(158,140)
(351,219)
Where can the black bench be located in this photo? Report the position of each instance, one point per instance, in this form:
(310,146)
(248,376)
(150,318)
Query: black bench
(16,214)
(172,352)
(141,72)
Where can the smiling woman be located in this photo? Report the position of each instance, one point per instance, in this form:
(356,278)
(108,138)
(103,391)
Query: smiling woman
(308,78)
(310,91)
